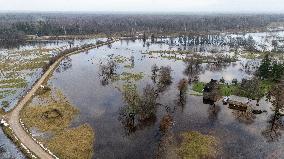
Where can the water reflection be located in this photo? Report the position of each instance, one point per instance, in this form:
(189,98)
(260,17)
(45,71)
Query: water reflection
(131,118)
(213,112)
(64,65)
(275,123)
(193,69)
(164,78)
(7,149)
(274,129)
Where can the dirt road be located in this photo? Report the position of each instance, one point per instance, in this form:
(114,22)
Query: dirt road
(14,115)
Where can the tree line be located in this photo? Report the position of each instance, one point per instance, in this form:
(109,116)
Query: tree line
(127,24)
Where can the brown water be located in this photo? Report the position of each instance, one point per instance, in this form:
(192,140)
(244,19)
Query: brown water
(99,105)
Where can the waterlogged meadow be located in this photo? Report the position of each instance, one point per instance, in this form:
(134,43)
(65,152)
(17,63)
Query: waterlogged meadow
(23,65)
(143,99)
(20,67)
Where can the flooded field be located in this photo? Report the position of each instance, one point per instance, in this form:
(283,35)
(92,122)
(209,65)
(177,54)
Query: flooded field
(22,66)
(97,83)
(98,93)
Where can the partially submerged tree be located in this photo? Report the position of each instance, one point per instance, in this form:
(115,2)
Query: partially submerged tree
(192,68)
(250,89)
(107,71)
(154,70)
(138,109)
(147,107)
(182,87)
(165,78)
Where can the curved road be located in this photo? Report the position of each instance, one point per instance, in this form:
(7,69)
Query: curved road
(14,116)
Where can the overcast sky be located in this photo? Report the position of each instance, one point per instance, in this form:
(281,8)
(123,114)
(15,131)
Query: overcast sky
(275,6)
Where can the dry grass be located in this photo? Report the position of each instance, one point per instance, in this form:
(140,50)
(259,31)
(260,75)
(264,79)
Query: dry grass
(39,116)
(75,143)
(53,113)
(49,114)
(195,146)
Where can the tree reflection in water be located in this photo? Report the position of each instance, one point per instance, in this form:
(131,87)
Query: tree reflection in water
(274,128)
(193,68)
(213,112)
(154,70)
(275,124)
(164,78)
(182,87)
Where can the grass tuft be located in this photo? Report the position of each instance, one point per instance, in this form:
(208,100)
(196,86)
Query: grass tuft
(195,146)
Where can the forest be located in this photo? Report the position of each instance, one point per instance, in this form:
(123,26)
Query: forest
(14,27)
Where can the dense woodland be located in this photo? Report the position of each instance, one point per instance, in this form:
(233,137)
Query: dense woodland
(13,26)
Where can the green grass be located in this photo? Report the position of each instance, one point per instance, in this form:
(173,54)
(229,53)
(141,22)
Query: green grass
(120,59)
(198,86)
(14,85)
(30,65)
(196,145)
(266,86)
(227,90)
(12,80)
(128,66)
(261,55)
(5,104)
(182,52)
(232,89)
(126,76)
(250,55)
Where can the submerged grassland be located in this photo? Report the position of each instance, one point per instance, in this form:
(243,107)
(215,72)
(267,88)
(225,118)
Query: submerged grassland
(20,67)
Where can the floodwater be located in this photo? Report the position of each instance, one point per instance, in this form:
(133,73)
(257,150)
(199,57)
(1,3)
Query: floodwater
(99,102)
(28,53)
(7,149)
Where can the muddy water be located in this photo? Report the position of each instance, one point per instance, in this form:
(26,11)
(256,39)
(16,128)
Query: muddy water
(99,106)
